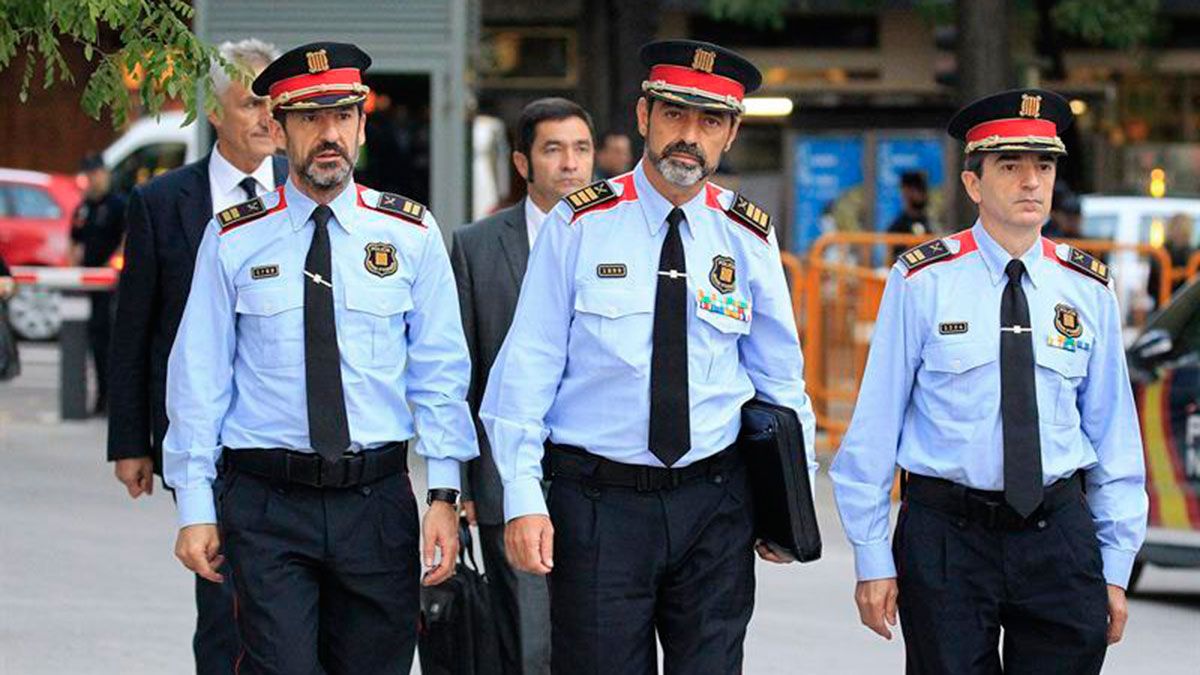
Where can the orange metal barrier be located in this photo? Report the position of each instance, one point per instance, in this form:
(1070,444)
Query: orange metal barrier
(1193,266)
(836,295)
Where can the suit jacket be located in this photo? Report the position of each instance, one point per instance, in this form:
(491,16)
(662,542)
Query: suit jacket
(165,221)
(489,259)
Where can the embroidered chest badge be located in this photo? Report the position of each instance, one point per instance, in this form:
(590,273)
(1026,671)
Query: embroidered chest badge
(381,259)
(1066,321)
(722,275)
(727,306)
(1070,330)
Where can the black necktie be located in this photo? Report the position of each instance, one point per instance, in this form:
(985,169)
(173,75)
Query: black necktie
(249,187)
(328,430)
(670,427)
(1018,399)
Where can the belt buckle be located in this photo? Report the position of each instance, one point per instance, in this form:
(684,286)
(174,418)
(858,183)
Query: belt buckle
(355,466)
(643,479)
(987,511)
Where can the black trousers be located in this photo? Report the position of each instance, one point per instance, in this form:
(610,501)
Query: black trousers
(327,580)
(628,564)
(961,583)
(215,644)
(521,607)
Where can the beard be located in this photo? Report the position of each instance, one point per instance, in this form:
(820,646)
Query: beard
(680,173)
(326,179)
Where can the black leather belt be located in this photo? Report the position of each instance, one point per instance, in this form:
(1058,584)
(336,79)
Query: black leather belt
(986,507)
(568,461)
(352,470)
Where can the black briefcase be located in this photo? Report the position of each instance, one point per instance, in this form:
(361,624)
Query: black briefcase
(458,632)
(772,443)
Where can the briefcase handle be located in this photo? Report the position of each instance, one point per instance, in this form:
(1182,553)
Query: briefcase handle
(466,545)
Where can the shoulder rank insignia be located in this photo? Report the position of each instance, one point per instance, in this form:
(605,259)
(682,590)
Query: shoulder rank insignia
(925,254)
(241,214)
(747,213)
(1083,262)
(587,197)
(402,207)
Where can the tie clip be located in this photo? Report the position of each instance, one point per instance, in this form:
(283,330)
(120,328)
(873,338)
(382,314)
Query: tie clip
(1016,329)
(674,274)
(317,279)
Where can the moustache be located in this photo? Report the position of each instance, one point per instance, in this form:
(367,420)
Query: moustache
(692,150)
(328,147)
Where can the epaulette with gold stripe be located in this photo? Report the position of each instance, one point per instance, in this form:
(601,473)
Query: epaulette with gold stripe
(1083,262)
(240,214)
(749,214)
(926,254)
(401,207)
(586,197)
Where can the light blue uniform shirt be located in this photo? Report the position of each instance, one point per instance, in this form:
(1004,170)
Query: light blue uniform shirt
(236,375)
(930,396)
(575,366)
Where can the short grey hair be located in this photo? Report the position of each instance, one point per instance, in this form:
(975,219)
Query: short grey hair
(250,54)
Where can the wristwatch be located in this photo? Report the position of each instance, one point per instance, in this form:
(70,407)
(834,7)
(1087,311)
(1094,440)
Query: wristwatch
(442,495)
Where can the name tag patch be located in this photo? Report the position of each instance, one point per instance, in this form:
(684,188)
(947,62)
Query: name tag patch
(611,270)
(727,306)
(952,327)
(264,272)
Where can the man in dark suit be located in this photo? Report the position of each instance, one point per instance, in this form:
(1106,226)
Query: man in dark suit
(554,155)
(166,220)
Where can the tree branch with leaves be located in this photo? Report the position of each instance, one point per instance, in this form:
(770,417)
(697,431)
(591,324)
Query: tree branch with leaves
(147,43)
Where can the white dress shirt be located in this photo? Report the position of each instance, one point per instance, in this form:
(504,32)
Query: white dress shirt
(534,217)
(224,180)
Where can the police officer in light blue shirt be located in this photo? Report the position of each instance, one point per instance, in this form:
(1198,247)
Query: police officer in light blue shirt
(321,333)
(997,383)
(653,307)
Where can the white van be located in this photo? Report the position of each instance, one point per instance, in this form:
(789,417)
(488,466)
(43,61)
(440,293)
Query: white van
(151,146)
(1133,220)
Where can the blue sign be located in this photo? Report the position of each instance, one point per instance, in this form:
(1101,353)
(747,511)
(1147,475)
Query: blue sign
(825,169)
(895,156)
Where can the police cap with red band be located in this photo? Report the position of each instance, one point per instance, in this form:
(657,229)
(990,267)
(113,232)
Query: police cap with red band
(316,75)
(1019,120)
(698,74)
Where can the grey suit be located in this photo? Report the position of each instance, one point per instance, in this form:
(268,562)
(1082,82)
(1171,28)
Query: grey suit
(489,259)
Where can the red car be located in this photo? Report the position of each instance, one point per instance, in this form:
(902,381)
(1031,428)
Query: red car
(35,229)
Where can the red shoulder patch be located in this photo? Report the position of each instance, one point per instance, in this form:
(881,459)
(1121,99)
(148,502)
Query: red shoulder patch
(936,251)
(396,206)
(603,203)
(248,212)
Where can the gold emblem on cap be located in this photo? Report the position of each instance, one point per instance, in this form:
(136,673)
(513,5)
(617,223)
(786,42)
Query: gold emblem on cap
(1031,106)
(318,61)
(704,60)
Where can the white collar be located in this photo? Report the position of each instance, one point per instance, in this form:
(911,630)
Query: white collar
(534,216)
(227,177)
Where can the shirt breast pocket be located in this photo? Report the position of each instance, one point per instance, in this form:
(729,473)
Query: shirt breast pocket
(271,321)
(1060,374)
(615,322)
(375,328)
(960,380)
(720,359)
